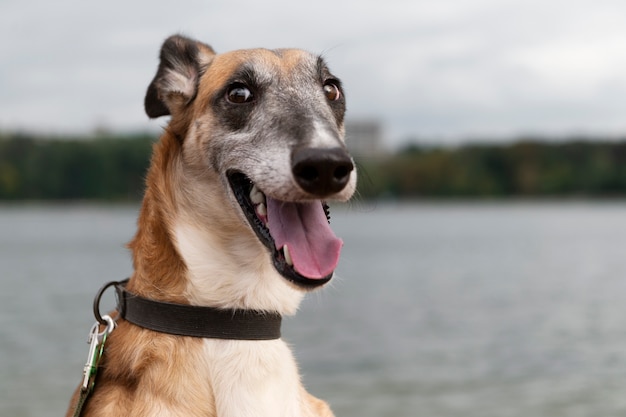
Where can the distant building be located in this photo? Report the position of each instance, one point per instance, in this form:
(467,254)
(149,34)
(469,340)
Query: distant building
(364,138)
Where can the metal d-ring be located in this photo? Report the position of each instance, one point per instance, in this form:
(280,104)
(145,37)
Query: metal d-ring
(96,303)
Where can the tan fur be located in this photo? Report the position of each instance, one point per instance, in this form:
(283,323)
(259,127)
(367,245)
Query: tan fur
(144,373)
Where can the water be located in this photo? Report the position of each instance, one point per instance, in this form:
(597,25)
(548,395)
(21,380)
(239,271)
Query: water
(486,309)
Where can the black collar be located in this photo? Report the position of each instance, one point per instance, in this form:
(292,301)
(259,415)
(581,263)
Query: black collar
(196,321)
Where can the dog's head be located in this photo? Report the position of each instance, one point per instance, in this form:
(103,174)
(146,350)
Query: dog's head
(269,125)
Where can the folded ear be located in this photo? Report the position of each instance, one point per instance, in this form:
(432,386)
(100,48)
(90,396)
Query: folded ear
(175,84)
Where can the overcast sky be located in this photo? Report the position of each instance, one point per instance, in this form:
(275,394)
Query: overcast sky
(441,69)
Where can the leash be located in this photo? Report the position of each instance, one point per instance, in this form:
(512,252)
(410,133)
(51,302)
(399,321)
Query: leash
(96,349)
(170,318)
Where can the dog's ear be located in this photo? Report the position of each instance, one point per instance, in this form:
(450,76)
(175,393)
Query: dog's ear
(175,84)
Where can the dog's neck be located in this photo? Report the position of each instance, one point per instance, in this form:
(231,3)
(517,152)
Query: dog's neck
(159,270)
(238,274)
(210,259)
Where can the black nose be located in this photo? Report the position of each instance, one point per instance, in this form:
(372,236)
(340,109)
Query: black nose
(321,171)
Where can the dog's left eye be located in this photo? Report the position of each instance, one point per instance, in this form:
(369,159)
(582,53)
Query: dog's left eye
(331,90)
(239,94)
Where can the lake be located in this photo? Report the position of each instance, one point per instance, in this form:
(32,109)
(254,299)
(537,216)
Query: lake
(438,309)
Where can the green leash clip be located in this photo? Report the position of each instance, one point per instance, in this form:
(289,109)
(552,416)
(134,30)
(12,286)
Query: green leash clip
(96,348)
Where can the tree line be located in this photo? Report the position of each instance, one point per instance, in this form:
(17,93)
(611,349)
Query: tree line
(113,167)
(528,168)
(101,168)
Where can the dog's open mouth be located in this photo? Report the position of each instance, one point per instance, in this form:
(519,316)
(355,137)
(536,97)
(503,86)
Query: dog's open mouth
(303,247)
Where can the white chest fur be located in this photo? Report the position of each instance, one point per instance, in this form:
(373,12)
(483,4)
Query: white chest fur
(254,379)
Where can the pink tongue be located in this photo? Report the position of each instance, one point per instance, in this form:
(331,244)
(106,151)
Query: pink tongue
(303,227)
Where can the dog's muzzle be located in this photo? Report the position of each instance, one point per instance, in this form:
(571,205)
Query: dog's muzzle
(301,243)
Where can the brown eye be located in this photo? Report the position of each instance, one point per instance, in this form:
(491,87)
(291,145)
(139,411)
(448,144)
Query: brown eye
(332,92)
(239,94)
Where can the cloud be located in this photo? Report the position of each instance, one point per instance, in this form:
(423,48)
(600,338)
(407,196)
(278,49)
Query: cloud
(447,69)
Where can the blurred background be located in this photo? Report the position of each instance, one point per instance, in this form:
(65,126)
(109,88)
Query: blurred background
(483,268)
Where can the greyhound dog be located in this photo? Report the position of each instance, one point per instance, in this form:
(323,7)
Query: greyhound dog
(234,218)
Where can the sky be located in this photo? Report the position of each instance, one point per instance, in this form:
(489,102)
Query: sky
(437,70)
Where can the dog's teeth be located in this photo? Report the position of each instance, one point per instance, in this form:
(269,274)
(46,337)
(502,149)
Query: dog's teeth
(261,210)
(256,196)
(287,256)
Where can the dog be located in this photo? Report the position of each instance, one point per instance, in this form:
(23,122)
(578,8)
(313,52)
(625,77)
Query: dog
(233,217)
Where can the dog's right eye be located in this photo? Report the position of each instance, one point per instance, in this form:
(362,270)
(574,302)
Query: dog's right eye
(239,94)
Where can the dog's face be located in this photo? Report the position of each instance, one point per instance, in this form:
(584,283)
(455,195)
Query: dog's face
(269,126)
